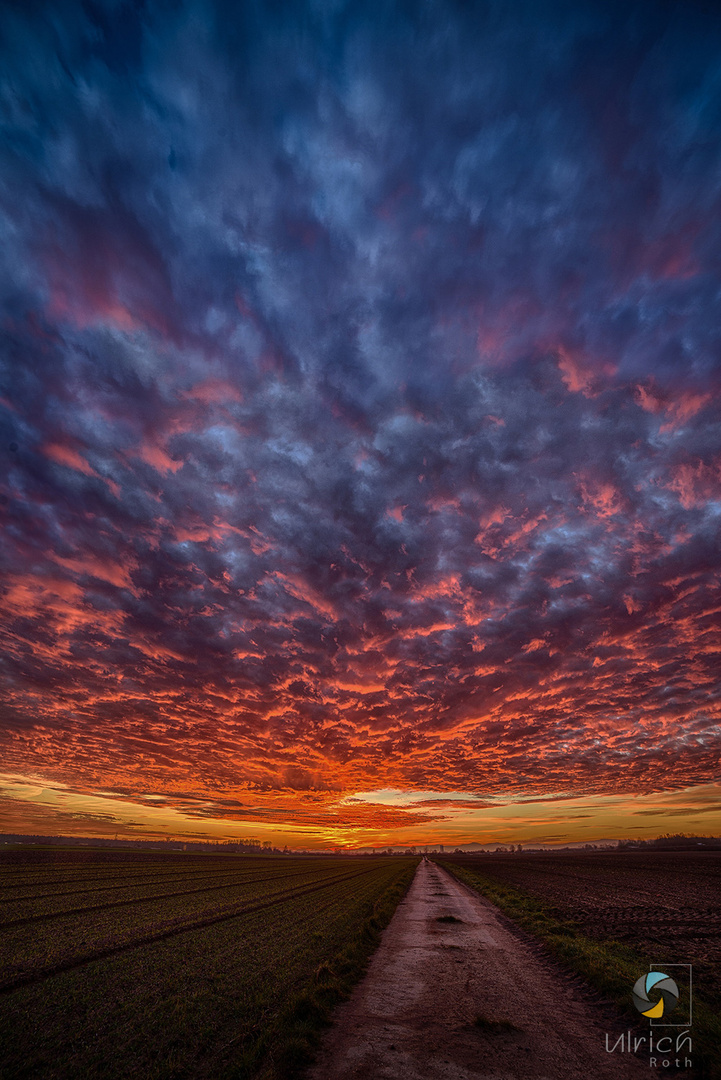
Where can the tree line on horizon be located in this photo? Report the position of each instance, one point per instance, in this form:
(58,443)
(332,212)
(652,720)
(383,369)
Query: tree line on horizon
(252,846)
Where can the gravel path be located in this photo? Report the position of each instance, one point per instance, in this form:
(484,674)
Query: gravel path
(413,1017)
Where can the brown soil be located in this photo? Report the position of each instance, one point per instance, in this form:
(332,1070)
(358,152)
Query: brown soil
(463,999)
(666,904)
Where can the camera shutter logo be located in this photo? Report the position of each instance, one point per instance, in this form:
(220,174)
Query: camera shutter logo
(664,985)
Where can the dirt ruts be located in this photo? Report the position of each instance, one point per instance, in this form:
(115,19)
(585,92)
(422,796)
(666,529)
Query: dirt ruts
(453,994)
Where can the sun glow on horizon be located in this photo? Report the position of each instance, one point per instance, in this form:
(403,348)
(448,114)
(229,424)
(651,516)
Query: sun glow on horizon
(385,817)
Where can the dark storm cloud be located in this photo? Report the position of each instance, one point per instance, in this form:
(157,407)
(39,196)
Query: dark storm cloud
(360,393)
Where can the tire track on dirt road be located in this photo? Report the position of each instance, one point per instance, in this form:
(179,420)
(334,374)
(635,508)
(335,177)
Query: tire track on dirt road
(446,958)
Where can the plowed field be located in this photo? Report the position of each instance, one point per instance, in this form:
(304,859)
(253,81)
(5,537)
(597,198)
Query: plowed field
(666,903)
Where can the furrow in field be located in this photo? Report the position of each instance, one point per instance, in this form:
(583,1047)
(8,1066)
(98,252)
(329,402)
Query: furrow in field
(28,977)
(103,884)
(45,943)
(42,944)
(7,924)
(201,1000)
(114,878)
(148,873)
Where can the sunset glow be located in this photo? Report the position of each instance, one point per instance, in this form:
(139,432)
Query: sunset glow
(361,423)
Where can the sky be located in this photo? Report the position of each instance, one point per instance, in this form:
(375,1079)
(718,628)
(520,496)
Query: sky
(360,420)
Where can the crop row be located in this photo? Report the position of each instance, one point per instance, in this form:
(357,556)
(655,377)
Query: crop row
(36,909)
(21,894)
(194,1004)
(113,881)
(52,877)
(31,951)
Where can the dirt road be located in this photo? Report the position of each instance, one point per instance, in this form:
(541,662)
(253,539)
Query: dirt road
(446,959)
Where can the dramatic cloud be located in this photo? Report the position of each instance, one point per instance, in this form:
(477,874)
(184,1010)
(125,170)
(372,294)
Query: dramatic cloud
(360,402)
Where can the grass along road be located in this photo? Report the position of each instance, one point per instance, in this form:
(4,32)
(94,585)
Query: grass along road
(609,966)
(453,994)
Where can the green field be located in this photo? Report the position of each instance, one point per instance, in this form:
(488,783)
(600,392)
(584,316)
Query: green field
(123,964)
